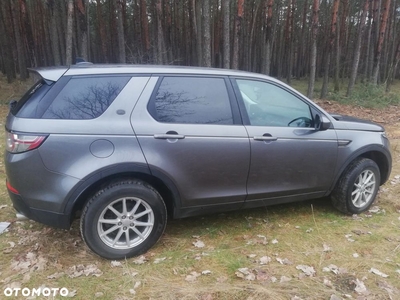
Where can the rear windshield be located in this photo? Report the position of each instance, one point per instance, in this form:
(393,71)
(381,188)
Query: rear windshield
(27,105)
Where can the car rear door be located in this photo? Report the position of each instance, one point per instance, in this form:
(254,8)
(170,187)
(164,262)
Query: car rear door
(289,157)
(191,133)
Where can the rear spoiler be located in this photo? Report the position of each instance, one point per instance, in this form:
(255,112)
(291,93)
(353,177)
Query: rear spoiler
(49,73)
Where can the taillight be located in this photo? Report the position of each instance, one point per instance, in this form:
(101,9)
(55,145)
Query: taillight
(17,143)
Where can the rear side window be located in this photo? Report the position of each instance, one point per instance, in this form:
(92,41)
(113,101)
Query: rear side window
(85,97)
(192,100)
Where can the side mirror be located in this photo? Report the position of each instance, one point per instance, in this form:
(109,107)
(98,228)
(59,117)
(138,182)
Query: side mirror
(322,123)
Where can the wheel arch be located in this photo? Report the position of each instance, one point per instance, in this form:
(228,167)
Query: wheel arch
(94,182)
(377,153)
(381,160)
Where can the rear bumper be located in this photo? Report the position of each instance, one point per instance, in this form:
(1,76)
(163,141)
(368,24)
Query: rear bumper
(37,192)
(42,216)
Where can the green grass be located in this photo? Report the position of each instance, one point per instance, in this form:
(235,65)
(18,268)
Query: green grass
(365,95)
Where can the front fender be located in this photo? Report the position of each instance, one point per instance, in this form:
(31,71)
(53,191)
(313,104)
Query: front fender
(376,152)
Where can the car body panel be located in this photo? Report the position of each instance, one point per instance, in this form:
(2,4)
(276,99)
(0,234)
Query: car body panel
(40,187)
(350,123)
(80,155)
(285,161)
(298,161)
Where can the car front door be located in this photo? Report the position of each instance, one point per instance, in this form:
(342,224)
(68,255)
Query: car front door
(289,157)
(190,131)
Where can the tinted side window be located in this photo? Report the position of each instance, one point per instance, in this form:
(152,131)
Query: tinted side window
(192,100)
(269,105)
(85,97)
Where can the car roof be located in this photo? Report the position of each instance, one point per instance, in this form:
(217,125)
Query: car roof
(55,73)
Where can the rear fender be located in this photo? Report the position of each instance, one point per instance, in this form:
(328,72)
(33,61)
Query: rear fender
(93,182)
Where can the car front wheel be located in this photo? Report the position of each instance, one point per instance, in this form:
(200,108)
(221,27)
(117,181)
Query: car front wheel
(124,219)
(357,188)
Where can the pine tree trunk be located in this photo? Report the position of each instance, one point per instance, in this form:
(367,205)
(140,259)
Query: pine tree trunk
(356,59)
(27,33)
(280,53)
(337,60)
(5,24)
(199,36)
(160,34)
(366,75)
(393,72)
(391,57)
(343,39)
(217,36)
(120,32)
(385,49)
(101,33)
(112,37)
(237,31)
(302,38)
(378,51)
(61,28)
(330,47)
(82,29)
(169,34)
(391,43)
(187,35)
(252,43)
(206,33)
(244,40)
(313,58)
(374,35)
(144,26)
(268,37)
(55,43)
(23,72)
(24,33)
(70,21)
(193,32)
(226,34)
(288,42)
(43,36)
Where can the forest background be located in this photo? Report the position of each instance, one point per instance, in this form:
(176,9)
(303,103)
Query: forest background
(341,40)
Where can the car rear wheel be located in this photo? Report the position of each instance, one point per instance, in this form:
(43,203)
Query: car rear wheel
(124,219)
(357,188)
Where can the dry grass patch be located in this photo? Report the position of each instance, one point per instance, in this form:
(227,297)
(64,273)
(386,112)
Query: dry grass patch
(13,91)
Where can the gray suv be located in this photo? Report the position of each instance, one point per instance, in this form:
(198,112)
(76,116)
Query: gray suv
(125,146)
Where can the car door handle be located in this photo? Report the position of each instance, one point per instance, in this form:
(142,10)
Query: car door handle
(169,136)
(265,138)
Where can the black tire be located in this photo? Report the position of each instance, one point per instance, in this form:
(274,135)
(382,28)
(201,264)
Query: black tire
(113,232)
(351,198)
